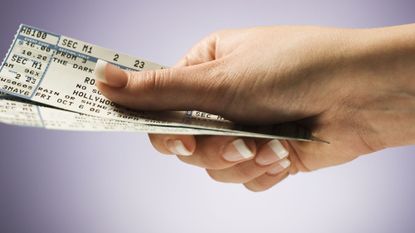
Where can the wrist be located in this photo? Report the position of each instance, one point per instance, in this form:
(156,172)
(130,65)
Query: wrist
(380,70)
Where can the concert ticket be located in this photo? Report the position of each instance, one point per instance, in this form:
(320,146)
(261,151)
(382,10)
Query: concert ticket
(57,72)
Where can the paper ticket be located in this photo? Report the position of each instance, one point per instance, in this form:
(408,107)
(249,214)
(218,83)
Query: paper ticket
(14,111)
(58,71)
(20,113)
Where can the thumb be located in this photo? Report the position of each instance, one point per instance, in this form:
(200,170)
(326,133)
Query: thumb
(181,88)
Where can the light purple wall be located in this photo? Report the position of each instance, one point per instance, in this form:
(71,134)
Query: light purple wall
(67,182)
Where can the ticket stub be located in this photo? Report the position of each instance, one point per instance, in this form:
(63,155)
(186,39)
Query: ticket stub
(15,111)
(58,71)
(23,113)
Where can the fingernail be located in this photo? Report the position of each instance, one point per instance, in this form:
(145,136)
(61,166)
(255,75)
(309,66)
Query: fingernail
(272,152)
(177,147)
(237,150)
(110,74)
(280,166)
(100,71)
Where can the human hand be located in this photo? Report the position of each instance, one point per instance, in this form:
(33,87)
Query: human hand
(322,78)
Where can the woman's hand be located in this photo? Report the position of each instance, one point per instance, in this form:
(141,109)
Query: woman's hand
(337,82)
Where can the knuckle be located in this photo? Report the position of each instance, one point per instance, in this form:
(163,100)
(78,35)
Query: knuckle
(212,162)
(156,141)
(148,81)
(212,174)
(216,80)
(252,186)
(243,173)
(256,185)
(210,155)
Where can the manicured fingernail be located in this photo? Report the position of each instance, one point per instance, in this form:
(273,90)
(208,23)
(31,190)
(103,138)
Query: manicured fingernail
(110,74)
(272,152)
(278,167)
(285,163)
(237,150)
(177,147)
(100,71)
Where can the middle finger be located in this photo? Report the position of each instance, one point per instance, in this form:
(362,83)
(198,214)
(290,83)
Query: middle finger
(220,152)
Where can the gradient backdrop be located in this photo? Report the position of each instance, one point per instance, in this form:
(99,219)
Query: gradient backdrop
(77,182)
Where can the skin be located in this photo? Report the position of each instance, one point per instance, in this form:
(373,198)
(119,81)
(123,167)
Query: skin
(352,87)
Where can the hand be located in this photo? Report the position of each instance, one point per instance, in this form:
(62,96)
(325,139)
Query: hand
(333,81)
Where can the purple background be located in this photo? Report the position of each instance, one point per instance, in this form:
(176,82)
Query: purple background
(53,181)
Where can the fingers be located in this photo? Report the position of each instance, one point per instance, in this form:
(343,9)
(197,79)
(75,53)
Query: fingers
(271,152)
(219,152)
(257,164)
(182,88)
(246,171)
(213,152)
(265,181)
(271,158)
(183,145)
